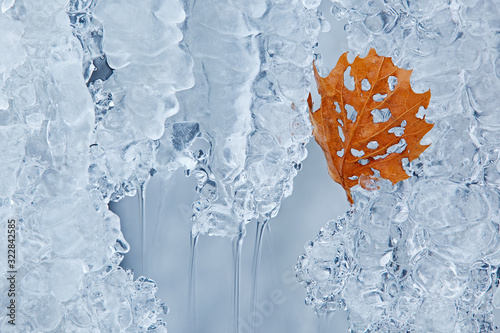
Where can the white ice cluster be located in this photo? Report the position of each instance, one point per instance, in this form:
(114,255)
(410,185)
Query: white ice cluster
(246,116)
(67,149)
(423,255)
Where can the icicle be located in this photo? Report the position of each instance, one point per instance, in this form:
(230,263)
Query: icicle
(324,321)
(237,243)
(142,212)
(192,283)
(261,226)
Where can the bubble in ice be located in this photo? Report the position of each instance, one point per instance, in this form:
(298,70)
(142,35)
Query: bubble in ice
(422,255)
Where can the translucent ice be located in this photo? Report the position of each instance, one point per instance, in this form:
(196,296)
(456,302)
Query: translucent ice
(143,38)
(252,72)
(65,276)
(422,255)
(67,240)
(12,52)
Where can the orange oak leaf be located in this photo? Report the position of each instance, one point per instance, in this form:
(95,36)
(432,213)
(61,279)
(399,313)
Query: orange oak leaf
(367,120)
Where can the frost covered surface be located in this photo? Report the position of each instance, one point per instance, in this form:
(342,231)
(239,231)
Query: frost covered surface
(246,115)
(423,255)
(65,147)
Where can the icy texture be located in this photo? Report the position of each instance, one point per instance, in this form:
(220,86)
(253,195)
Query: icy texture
(140,40)
(69,245)
(423,255)
(246,113)
(138,43)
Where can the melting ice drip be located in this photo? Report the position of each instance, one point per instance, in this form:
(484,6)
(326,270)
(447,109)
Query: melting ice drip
(423,256)
(139,44)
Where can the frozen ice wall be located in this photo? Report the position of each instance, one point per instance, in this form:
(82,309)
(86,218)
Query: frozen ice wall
(68,149)
(96,96)
(423,255)
(88,97)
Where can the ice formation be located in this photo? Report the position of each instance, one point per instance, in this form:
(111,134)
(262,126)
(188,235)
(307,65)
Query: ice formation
(246,113)
(131,105)
(68,149)
(423,255)
(88,101)
(420,256)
